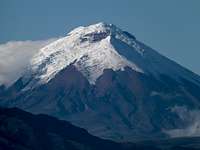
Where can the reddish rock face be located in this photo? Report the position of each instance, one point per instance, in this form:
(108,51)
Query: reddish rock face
(122,105)
(106,81)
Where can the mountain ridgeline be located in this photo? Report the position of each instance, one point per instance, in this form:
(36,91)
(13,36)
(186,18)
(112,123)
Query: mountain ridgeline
(104,80)
(20,130)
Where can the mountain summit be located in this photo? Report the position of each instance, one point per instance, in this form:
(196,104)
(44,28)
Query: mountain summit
(95,48)
(90,49)
(103,79)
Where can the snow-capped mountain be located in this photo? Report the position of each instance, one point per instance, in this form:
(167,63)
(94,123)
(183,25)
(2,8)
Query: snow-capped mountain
(103,79)
(95,48)
(88,48)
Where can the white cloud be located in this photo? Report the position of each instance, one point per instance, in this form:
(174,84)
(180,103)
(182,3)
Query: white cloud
(192,117)
(14,57)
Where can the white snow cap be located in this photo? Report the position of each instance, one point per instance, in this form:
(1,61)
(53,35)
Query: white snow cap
(94,48)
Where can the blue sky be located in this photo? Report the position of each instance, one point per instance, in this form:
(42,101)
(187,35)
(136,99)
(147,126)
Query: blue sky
(172,27)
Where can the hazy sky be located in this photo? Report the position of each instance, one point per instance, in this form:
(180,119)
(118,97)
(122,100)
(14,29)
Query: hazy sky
(172,27)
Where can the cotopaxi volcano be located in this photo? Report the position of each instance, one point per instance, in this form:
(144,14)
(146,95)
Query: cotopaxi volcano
(103,79)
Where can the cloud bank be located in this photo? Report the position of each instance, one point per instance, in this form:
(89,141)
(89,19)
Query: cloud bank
(192,117)
(15,56)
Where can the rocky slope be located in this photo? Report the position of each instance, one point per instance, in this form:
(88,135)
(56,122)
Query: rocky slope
(104,80)
(20,130)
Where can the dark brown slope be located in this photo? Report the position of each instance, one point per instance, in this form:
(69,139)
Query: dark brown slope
(122,105)
(20,130)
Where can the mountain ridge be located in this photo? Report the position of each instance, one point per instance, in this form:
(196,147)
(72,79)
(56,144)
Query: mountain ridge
(21,130)
(95,48)
(110,84)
